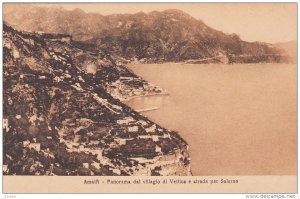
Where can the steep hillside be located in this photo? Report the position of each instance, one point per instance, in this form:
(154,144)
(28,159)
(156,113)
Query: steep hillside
(59,119)
(171,35)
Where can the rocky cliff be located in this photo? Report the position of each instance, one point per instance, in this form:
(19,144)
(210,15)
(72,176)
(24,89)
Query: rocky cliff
(59,118)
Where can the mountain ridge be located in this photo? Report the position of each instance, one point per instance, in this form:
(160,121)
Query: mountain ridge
(170,35)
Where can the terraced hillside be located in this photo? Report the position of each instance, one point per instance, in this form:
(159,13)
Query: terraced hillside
(60,118)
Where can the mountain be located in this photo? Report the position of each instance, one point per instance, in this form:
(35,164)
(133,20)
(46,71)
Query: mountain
(62,113)
(170,35)
(290,48)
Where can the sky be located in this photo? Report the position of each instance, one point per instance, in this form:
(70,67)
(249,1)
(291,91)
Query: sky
(266,22)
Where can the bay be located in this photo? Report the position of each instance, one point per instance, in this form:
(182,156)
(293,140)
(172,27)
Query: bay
(238,119)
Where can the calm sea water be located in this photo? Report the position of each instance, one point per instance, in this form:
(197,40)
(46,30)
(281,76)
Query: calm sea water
(237,119)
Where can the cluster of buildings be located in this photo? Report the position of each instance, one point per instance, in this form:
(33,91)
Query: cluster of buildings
(126,88)
(64,120)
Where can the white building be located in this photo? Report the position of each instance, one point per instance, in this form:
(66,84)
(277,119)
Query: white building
(42,77)
(16,53)
(117,171)
(5,125)
(142,122)
(94,142)
(155,138)
(5,168)
(91,68)
(57,79)
(7,43)
(157,149)
(145,137)
(99,154)
(120,141)
(125,120)
(35,146)
(81,148)
(85,165)
(76,138)
(151,129)
(96,164)
(26,143)
(133,128)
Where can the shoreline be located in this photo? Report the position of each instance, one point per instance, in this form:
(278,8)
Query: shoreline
(229,64)
(147,95)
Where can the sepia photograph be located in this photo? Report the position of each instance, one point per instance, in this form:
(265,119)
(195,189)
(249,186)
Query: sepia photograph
(109,91)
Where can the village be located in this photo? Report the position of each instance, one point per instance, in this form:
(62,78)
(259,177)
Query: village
(63,114)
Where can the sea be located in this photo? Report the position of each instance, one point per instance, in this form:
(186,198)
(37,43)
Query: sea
(238,119)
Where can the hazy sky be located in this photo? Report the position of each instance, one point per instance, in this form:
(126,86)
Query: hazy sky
(268,22)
